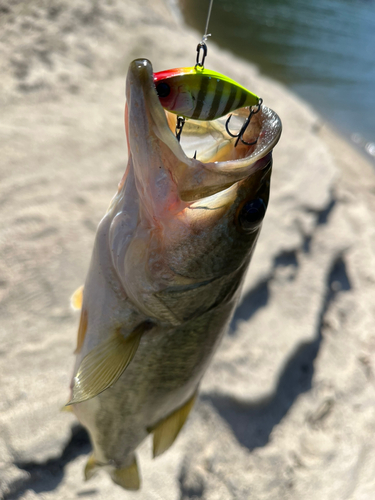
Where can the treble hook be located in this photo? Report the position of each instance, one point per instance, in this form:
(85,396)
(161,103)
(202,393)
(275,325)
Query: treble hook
(179,126)
(244,126)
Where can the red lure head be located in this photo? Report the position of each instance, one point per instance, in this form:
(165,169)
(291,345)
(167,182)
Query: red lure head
(174,91)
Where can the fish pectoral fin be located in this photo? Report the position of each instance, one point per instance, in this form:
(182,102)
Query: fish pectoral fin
(128,477)
(104,365)
(76,299)
(166,431)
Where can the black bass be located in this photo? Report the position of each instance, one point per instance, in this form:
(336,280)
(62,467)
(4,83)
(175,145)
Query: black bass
(165,275)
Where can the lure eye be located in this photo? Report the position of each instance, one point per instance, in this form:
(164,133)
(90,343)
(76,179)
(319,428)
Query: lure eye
(251,215)
(163,89)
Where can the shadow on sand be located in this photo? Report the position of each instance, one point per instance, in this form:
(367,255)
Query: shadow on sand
(46,476)
(252,423)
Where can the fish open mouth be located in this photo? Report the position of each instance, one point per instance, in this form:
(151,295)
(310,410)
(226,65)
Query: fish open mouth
(179,222)
(218,163)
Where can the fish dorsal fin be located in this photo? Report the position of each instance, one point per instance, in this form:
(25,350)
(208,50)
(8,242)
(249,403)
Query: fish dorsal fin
(76,299)
(166,431)
(67,409)
(82,329)
(104,365)
(128,477)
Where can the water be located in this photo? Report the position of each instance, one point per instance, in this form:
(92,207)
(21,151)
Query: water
(324,50)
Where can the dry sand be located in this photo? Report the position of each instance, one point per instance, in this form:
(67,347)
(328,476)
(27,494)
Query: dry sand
(287,408)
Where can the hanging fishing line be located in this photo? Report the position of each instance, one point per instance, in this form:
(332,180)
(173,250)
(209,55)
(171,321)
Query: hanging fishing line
(208,20)
(202,44)
(198,65)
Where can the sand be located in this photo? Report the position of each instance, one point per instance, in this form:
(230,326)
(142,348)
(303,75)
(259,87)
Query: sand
(287,408)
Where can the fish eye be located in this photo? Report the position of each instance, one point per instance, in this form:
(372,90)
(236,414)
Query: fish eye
(251,215)
(163,89)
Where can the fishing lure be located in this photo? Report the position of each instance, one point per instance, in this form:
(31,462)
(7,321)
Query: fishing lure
(200,94)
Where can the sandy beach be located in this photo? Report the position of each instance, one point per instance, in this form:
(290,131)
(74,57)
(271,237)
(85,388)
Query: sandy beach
(287,408)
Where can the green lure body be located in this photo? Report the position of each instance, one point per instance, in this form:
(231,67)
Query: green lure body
(201,94)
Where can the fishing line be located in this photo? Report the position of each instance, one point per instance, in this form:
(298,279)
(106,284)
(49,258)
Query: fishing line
(202,44)
(198,65)
(208,20)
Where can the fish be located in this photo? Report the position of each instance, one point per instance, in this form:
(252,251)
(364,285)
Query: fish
(168,262)
(200,93)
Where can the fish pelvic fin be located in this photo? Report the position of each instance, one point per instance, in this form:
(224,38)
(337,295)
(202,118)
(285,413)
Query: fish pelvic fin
(76,299)
(166,431)
(104,365)
(128,477)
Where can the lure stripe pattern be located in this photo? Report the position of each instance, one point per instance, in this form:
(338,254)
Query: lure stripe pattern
(212,113)
(205,82)
(207,108)
(242,100)
(230,101)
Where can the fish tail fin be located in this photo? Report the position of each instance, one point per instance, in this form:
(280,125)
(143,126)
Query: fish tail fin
(127,477)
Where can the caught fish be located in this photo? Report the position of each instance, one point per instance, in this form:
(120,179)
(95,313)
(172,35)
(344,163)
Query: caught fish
(168,261)
(200,93)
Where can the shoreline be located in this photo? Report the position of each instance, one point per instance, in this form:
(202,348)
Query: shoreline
(356,139)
